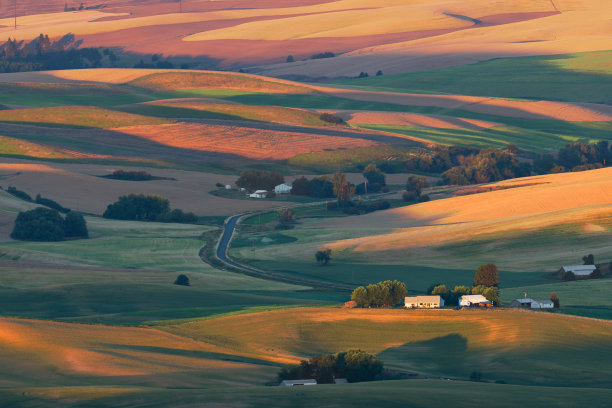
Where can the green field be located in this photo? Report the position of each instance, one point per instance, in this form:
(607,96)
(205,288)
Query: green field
(406,393)
(585,77)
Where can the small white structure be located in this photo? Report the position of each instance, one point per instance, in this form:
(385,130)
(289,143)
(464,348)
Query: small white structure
(579,270)
(293,383)
(283,189)
(340,381)
(259,194)
(474,301)
(533,304)
(423,302)
(228,187)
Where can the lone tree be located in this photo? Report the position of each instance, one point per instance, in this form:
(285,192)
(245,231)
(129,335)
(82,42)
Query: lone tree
(588,259)
(376,178)
(182,280)
(416,184)
(555,299)
(323,256)
(486,275)
(343,190)
(290,58)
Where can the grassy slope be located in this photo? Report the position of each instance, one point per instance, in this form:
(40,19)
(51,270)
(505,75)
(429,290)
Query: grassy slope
(583,77)
(407,393)
(505,345)
(124,274)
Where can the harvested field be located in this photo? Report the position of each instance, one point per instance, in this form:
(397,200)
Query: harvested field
(542,201)
(78,116)
(413,119)
(571,112)
(77,186)
(54,351)
(16,147)
(273,114)
(242,141)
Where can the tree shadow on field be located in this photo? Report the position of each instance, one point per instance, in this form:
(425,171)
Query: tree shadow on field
(441,356)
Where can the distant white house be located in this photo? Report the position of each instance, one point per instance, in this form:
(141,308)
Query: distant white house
(423,302)
(293,383)
(533,304)
(259,194)
(283,189)
(579,270)
(474,301)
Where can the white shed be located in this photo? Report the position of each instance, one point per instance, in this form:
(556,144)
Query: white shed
(283,189)
(228,187)
(423,302)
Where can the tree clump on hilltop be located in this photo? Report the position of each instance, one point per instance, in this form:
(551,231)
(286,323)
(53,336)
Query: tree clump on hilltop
(382,294)
(260,180)
(140,207)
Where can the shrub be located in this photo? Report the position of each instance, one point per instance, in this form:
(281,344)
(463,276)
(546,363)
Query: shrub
(377,206)
(409,196)
(219,185)
(182,280)
(327,54)
(75,225)
(363,75)
(51,204)
(39,224)
(329,118)
(290,58)
(379,73)
(423,198)
(323,256)
(18,193)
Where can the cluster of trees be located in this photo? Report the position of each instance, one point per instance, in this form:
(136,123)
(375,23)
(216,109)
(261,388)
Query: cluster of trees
(130,175)
(382,294)
(44,54)
(320,55)
(486,281)
(45,224)
(354,365)
(156,62)
(140,207)
(47,202)
(575,157)
(260,180)
(318,187)
(440,159)
(488,165)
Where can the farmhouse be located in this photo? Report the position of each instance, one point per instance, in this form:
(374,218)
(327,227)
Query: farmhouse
(580,271)
(259,194)
(423,302)
(532,304)
(283,189)
(293,383)
(474,301)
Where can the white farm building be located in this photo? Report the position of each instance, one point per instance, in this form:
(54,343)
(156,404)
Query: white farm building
(293,383)
(474,301)
(283,189)
(423,302)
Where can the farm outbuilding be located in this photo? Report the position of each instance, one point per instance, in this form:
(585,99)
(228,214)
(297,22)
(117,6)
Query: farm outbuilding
(259,194)
(474,301)
(423,302)
(580,271)
(532,304)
